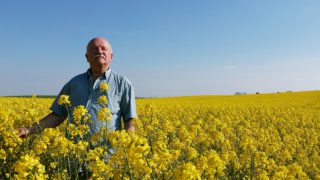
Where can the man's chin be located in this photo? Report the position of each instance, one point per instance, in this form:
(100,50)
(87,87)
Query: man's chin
(102,62)
(100,59)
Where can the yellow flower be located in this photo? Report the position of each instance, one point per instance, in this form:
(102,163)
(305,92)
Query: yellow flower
(186,171)
(191,153)
(39,147)
(104,114)
(201,163)
(101,170)
(83,129)
(78,113)
(29,167)
(81,147)
(215,164)
(64,100)
(272,136)
(96,154)
(53,165)
(95,138)
(3,154)
(102,100)
(10,139)
(104,86)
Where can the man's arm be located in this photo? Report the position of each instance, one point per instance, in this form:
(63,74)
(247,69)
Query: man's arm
(129,126)
(128,107)
(50,121)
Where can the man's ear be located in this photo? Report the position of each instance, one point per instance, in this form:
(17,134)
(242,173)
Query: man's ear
(87,57)
(111,55)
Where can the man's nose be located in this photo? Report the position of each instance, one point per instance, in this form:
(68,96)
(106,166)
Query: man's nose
(99,50)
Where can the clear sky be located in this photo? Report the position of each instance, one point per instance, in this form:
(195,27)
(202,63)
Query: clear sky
(165,48)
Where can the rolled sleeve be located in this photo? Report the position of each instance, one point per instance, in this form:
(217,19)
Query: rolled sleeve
(61,110)
(128,103)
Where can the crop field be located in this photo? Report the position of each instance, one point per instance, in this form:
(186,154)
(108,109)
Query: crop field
(259,136)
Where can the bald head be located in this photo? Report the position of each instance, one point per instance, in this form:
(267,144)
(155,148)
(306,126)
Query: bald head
(99,39)
(99,55)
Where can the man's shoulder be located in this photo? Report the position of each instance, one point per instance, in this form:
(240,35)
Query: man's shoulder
(79,77)
(120,78)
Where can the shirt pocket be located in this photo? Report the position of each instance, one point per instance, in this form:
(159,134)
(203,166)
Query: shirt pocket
(114,103)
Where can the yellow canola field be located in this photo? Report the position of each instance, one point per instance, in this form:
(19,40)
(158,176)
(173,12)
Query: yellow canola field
(260,136)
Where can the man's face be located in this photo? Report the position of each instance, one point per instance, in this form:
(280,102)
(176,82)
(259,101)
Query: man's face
(99,55)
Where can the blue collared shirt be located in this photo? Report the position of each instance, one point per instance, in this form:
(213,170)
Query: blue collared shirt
(82,90)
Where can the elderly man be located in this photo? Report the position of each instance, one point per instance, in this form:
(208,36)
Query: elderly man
(84,90)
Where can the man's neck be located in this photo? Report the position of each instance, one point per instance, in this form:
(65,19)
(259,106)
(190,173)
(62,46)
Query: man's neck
(97,74)
(95,77)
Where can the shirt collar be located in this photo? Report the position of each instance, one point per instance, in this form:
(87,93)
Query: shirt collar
(105,75)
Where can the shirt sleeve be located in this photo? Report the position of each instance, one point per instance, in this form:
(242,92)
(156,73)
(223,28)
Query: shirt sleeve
(128,103)
(61,109)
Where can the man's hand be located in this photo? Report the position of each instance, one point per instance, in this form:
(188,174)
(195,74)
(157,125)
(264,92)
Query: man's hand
(23,132)
(50,121)
(129,126)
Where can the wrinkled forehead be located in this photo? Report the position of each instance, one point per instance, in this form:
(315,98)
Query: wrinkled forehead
(98,42)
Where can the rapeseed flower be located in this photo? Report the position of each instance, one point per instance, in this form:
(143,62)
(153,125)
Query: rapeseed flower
(64,100)
(104,86)
(186,171)
(104,114)
(79,113)
(191,153)
(103,100)
(29,166)
(233,137)
(3,154)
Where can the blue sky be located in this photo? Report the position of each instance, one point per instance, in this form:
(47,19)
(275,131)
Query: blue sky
(165,48)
